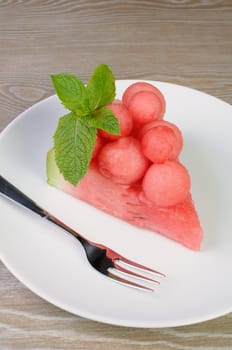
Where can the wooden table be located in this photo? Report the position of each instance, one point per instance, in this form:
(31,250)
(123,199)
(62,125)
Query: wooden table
(184,42)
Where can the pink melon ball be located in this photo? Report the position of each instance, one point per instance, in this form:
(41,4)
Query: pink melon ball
(145,107)
(161,143)
(166,184)
(143,86)
(122,161)
(124,118)
(155,123)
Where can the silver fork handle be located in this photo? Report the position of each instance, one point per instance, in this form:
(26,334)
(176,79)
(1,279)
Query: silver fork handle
(13,193)
(10,191)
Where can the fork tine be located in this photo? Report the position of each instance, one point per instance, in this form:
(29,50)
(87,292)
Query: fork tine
(111,273)
(140,267)
(132,273)
(115,256)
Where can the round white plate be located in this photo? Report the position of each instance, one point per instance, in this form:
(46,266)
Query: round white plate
(198,285)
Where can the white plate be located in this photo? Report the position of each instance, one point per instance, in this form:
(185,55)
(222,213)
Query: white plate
(198,286)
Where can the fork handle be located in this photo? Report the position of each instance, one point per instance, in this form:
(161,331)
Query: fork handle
(11,192)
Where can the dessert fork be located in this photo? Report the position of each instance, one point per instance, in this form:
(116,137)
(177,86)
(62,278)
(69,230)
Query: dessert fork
(101,258)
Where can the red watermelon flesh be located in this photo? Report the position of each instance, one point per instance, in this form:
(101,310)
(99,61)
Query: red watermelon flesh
(179,222)
(128,197)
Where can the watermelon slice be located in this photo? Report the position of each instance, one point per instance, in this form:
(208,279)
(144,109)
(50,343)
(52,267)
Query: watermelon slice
(126,181)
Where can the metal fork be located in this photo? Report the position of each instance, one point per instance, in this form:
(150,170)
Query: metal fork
(101,258)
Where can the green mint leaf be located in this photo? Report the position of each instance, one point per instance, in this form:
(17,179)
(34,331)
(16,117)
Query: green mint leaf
(74,141)
(72,92)
(75,136)
(101,87)
(105,119)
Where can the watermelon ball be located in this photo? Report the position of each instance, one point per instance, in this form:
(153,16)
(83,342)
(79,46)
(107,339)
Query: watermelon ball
(166,184)
(155,123)
(145,106)
(124,118)
(143,86)
(123,161)
(161,143)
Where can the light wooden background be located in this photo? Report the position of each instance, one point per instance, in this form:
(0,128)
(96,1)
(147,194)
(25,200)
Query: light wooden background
(181,41)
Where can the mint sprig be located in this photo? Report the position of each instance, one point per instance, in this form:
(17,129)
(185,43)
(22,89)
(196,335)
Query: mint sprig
(75,136)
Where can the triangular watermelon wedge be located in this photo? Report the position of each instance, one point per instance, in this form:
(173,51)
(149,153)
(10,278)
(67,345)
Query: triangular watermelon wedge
(137,176)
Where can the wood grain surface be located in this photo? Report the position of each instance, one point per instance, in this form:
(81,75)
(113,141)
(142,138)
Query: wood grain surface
(187,42)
